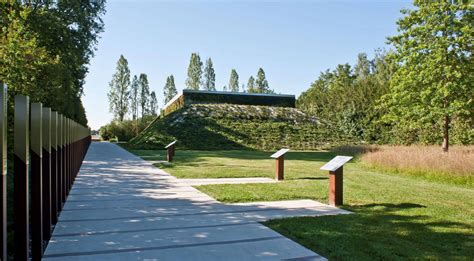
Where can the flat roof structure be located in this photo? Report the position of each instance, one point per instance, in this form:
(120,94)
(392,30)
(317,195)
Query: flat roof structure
(187,97)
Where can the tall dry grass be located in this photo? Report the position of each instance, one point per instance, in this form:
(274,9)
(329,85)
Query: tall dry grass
(430,162)
(458,161)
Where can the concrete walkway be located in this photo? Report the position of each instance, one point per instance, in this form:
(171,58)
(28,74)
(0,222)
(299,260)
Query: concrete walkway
(123,208)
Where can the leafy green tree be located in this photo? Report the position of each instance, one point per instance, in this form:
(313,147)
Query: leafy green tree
(234,81)
(345,100)
(209,76)
(251,88)
(194,72)
(169,91)
(362,67)
(262,83)
(144,93)
(119,92)
(153,104)
(134,97)
(45,49)
(433,84)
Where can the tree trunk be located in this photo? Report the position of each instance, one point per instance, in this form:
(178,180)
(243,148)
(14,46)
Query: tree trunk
(447,122)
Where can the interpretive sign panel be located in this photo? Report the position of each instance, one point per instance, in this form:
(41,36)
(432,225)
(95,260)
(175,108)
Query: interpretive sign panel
(279,153)
(336,163)
(171,144)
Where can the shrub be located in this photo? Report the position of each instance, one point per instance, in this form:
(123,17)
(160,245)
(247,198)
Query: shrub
(124,130)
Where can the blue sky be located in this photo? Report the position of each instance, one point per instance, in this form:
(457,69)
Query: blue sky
(293,41)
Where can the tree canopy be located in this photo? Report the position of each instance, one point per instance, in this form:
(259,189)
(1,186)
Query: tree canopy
(262,83)
(251,85)
(119,92)
(194,72)
(233,81)
(209,83)
(434,82)
(169,91)
(45,49)
(144,93)
(134,97)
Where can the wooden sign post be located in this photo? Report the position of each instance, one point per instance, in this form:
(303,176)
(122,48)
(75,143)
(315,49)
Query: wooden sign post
(21,148)
(280,165)
(170,151)
(335,168)
(3,185)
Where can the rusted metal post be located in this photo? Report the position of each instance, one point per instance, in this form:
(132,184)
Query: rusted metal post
(336,187)
(335,168)
(170,148)
(20,178)
(54,167)
(170,154)
(47,174)
(37,187)
(280,162)
(3,156)
(279,157)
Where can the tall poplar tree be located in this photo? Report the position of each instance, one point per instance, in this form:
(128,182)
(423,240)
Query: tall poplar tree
(153,104)
(209,76)
(144,93)
(194,72)
(233,81)
(169,91)
(363,66)
(134,98)
(119,92)
(434,82)
(251,85)
(262,83)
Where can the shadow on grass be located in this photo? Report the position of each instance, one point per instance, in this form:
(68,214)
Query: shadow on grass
(313,178)
(381,231)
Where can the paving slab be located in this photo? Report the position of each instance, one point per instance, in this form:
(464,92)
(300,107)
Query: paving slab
(123,208)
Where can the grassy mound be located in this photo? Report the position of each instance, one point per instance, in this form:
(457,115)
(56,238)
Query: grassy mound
(226,126)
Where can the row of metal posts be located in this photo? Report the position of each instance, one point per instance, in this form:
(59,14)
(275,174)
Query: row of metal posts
(48,152)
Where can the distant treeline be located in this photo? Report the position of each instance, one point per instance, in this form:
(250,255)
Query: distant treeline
(132,96)
(421,91)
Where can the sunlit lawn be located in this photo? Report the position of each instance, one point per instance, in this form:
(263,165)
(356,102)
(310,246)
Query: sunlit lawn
(395,216)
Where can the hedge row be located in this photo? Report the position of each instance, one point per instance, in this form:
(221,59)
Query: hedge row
(219,126)
(190,97)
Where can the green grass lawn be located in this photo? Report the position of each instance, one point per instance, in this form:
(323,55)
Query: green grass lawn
(395,216)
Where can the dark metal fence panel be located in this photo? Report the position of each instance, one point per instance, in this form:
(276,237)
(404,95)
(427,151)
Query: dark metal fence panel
(54,167)
(20,180)
(48,152)
(60,163)
(46,173)
(37,208)
(3,156)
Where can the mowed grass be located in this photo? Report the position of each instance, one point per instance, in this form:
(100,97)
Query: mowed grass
(232,163)
(395,216)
